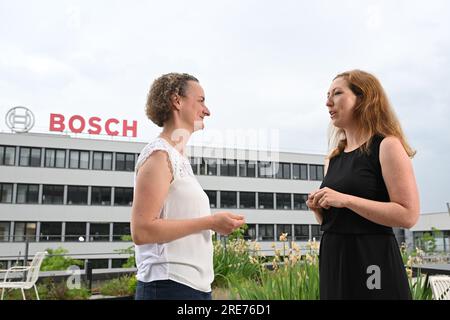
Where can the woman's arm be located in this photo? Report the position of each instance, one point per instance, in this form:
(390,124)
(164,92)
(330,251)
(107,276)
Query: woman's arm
(152,186)
(403,208)
(318,213)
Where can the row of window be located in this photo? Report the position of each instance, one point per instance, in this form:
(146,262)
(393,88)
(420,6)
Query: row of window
(78,159)
(106,196)
(257,200)
(115,231)
(272,232)
(63,231)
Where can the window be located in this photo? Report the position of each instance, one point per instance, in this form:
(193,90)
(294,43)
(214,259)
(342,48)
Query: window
(125,161)
(50,231)
(212,195)
(283,170)
(316,172)
(228,199)
(315,232)
(284,201)
(99,263)
(123,196)
(300,201)
(208,167)
(118,263)
(30,157)
(77,195)
(265,200)
(301,232)
(250,232)
(24,231)
(284,228)
(194,164)
(27,193)
(52,194)
(247,168)
(4,231)
(228,168)
(7,155)
(300,171)
(247,200)
(101,196)
(55,158)
(102,161)
(75,231)
(266,232)
(79,159)
(121,229)
(265,169)
(6,192)
(99,232)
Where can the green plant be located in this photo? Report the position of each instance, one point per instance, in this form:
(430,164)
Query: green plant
(131,262)
(57,261)
(122,286)
(234,258)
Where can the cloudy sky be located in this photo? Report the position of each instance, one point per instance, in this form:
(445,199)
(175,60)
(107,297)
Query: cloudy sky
(265,66)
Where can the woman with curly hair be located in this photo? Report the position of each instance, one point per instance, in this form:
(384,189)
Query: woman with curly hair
(171,221)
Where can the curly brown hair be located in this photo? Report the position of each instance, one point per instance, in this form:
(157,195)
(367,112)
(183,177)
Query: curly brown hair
(159,107)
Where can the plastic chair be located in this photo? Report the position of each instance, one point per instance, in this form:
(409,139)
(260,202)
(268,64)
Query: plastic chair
(32,275)
(440,287)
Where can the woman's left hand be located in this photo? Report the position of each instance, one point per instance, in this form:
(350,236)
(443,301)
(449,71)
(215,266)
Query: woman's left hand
(327,198)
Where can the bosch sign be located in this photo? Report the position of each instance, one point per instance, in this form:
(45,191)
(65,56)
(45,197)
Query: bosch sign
(78,124)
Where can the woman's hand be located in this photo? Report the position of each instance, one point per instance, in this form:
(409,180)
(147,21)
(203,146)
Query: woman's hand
(226,222)
(326,198)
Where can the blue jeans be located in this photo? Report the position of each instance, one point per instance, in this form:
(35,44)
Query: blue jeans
(168,290)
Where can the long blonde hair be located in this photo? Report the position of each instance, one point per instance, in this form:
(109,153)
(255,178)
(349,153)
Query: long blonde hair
(373,113)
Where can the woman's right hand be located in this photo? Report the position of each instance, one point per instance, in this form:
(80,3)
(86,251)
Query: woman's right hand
(226,222)
(315,207)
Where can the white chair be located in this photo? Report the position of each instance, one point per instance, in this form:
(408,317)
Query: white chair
(32,275)
(440,287)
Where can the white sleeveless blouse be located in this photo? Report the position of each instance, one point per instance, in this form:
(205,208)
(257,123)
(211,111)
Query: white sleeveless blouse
(188,260)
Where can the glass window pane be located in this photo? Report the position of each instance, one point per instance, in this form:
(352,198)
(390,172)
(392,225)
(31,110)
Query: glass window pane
(52,194)
(74,159)
(84,160)
(121,229)
(75,231)
(4,231)
(6,192)
(9,157)
(120,161)
(50,231)
(107,161)
(300,201)
(50,157)
(284,201)
(60,159)
(24,156)
(2,155)
(99,232)
(97,164)
(228,199)
(212,195)
(247,200)
(101,196)
(211,167)
(123,196)
(265,200)
(301,232)
(77,194)
(35,157)
(296,171)
(250,232)
(266,232)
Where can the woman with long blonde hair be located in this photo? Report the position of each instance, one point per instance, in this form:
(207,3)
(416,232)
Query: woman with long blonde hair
(369,188)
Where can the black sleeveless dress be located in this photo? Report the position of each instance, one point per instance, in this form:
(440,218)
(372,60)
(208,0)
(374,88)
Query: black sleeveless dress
(359,259)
